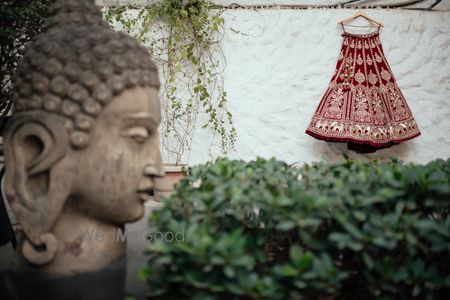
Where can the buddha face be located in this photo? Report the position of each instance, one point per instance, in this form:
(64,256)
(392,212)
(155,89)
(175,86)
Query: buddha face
(113,175)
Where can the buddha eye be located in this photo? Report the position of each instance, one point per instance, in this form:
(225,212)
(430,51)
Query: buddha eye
(138,134)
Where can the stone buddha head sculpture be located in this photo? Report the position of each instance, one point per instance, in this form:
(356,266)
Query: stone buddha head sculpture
(82,148)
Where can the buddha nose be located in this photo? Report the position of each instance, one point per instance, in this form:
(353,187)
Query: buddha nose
(153,164)
(154,171)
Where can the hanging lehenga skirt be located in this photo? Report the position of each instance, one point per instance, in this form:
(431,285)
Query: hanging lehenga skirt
(363,105)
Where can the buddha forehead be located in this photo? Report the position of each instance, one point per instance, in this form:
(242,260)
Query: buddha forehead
(78,65)
(145,109)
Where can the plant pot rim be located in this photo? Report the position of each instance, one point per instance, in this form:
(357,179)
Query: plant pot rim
(174,167)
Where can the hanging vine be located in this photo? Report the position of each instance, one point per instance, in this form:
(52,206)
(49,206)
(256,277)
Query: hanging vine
(184,38)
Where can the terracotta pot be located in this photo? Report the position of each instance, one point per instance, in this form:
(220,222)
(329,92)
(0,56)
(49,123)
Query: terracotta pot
(164,186)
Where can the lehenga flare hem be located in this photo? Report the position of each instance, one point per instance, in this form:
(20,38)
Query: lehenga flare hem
(350,140)
(363,104)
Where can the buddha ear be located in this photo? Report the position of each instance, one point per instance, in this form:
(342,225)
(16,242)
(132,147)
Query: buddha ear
(37,182)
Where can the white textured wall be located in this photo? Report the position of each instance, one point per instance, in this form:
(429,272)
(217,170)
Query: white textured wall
(280,66)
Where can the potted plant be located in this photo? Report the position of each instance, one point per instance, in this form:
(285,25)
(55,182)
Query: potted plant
(184,39)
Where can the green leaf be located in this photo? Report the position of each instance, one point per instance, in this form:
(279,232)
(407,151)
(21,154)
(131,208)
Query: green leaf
(296,254)
(368,260)
(348,225)
(158,247)
(229,271)
(286,225)
(286,270)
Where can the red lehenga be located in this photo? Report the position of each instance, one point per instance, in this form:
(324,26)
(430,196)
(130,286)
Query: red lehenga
(363,105)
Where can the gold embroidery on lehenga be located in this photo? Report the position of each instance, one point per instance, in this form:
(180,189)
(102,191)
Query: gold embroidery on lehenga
(397,104)
(372,78)
(378,58)
(361,104)
(383,89)
(335,105)
(359,77)
(359,60)
(385,75)
(378,110)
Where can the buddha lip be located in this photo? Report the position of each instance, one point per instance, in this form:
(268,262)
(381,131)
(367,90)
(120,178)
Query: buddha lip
(146,195)
(146,192)
(148,189)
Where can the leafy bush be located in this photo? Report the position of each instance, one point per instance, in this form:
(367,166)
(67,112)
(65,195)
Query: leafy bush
(20,22)
(266,230)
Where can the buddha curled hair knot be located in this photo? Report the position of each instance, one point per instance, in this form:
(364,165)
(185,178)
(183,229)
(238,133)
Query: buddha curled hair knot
(89,80)
(70,108)
(40,83)
(68,125)
(49,48)
(20,104)
(116,46)
(100,51)
(79,139)
(51,102)
(25,89)
(86,60)
(72,71)
(102,94)
(52,67)
(116,83)
(35,101)
(119,62)
(92,107)
(83,122)
(133,78)
(77,93)
(64,54)
(76,66)
(59,85)
(36,59)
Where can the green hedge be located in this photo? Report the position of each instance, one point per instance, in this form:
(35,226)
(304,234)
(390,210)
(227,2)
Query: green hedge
(266,230)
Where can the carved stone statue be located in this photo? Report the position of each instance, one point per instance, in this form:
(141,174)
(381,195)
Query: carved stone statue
(82,148)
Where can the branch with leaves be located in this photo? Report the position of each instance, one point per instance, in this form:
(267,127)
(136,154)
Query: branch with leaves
(184,38)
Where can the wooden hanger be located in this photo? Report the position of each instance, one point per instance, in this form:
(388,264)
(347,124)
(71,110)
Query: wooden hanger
(358,14)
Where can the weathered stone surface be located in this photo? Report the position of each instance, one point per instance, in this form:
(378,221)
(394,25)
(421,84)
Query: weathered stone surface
(82,148)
